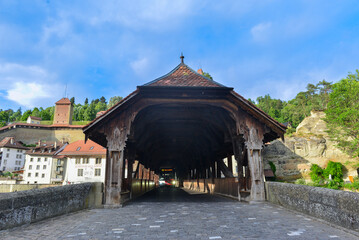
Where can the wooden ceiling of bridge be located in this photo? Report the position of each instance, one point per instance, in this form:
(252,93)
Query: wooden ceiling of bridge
(186,136)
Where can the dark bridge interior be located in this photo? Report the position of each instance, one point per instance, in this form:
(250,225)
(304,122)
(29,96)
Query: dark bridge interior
(182,136)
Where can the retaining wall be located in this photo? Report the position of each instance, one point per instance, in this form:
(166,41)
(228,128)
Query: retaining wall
(335,206)
(17,208)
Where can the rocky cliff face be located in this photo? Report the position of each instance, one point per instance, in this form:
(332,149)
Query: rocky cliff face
(310,144)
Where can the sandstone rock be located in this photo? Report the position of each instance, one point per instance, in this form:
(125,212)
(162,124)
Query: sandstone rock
(310,144)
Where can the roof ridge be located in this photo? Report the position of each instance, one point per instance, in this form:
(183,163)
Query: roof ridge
(190,69)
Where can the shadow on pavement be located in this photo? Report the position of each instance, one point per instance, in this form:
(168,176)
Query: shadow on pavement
(173,194)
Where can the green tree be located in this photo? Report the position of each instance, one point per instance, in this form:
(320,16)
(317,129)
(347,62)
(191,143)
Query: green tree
(86,101)
(35,112)
(113,101)
(342,114)
(207,75)
(103,100)
(90,112)
(72,100)
(26,115)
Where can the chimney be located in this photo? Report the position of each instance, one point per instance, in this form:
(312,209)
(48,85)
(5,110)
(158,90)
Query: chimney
(55,145)
(200,71)
(39,143)
(12,140)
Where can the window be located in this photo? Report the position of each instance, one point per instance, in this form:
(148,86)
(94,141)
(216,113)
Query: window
(78,161)
(85,161)
(97,171)
(45,159)
(20,156)
(29,174)
(31,159)
(58,162)
(44,167)
(8,149)
(36,174)
(43,175)
(80,172)
(78,149)
(37,167)
(7,154)
(5,162)
(91,148)
(30,167)
(98,160)
(38,159)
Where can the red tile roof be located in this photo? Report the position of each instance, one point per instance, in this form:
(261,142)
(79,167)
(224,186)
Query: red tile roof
(36,118)
(183,76)
(6,142)
(46,148)
(63,101)
(80,148)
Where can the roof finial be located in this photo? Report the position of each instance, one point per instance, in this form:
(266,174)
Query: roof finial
(181,57)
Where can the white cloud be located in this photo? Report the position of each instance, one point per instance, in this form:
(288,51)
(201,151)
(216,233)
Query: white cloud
(156,14)
(28,94)
(28,86)
(261,32)
(140,65)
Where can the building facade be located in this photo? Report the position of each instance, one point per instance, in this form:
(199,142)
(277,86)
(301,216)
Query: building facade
(63,112)
(12,155)
(33,120)
(42,164)
(85,162)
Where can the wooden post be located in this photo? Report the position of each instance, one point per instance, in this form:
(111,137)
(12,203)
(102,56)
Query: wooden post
(230,165)
(254,146)
(219,175)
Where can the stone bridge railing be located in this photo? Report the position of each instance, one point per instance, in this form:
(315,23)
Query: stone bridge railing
(335,206)
(17,208)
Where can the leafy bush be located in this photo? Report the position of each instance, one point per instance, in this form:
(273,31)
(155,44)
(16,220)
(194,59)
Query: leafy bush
(273,167)
(316,174)
(354,185)
(300,181)
(335,170)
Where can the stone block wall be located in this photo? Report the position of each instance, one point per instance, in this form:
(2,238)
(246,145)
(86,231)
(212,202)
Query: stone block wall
(335,206)
(29,206)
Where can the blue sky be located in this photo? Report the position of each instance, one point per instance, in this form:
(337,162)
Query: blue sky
(107,48)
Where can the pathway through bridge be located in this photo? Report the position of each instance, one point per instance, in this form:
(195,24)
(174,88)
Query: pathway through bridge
(171,213)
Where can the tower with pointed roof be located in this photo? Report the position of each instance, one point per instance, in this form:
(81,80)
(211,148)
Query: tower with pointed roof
(63,112)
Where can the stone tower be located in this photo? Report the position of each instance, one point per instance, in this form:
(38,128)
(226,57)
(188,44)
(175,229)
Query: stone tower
(63,112)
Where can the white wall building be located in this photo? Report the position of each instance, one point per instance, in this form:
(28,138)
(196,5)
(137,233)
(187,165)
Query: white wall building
(12,155)
(33,120)
(85,162)
(39,163)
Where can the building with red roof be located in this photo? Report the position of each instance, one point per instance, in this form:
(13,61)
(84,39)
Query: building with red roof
(12,155)
(85,162)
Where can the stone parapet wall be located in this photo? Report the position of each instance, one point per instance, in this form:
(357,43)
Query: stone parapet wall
(29,206)
(6,188)
(335,206)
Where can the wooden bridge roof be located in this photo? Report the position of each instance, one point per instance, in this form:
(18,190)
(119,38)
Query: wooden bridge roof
(183,76)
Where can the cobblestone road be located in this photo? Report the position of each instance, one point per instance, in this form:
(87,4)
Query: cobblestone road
(170,213)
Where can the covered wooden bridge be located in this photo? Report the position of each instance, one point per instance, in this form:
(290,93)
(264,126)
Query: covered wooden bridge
(188,122)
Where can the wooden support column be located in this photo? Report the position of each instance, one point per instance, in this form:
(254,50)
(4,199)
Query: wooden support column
(230,165)
(254,147)
(239,157)
(130,160)
(219,175)
(224,169)
(115,167)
